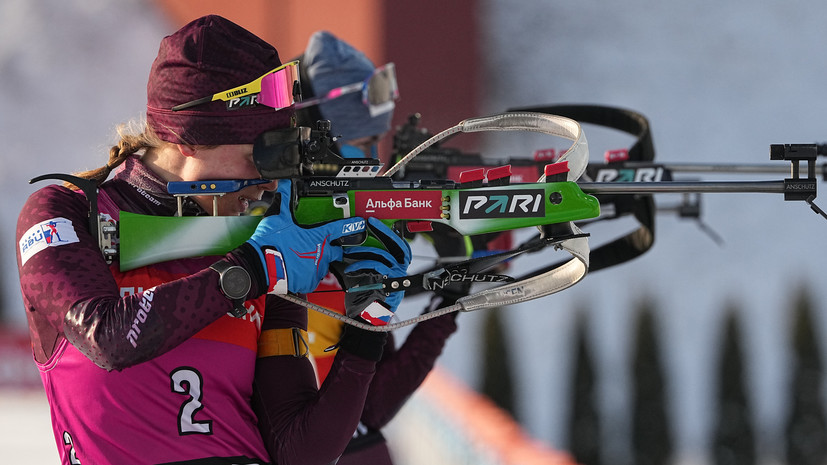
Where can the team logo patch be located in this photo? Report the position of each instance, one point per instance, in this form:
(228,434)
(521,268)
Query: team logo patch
(50,233)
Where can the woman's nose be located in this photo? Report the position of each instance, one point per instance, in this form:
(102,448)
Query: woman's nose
(269,186)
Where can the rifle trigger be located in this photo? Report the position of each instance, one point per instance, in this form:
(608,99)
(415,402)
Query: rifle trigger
(351,239)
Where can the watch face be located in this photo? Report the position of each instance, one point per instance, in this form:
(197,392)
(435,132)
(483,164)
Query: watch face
(235,282)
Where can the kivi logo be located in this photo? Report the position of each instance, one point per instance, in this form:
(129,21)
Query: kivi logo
(356,226)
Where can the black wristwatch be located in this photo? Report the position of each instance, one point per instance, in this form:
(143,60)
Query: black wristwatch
(235,284)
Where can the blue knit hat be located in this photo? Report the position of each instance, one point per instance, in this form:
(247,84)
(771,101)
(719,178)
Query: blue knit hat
(329,63)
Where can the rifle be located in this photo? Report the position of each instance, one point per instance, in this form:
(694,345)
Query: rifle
(626,180)
(327,187)
(438,161)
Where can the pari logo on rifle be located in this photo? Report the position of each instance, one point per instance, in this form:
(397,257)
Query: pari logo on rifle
(607,173)
(519,203)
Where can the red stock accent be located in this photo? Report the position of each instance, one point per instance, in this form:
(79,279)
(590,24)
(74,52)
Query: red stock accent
(556,168)
(499,173)
(545,155)
(472,175)
(616,155)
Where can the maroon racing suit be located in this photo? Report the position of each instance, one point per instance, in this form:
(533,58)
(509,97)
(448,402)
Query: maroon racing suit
(117,350)
(398,376)
(399,373)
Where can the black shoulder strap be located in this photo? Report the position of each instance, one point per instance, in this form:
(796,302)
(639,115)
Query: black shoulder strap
(642,207)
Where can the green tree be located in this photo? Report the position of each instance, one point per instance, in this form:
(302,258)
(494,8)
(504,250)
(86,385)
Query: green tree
(584,420)
(733,442)
(651,432)
(496,367)
(806,434)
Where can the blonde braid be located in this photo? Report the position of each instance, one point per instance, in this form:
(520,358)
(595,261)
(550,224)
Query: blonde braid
(134,137)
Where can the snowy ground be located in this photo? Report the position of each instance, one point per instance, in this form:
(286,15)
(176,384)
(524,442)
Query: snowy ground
(25,427)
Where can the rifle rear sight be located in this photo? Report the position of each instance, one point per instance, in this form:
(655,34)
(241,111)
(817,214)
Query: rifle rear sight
(796,187)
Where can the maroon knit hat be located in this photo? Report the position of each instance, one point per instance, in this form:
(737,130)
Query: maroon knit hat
(207,56)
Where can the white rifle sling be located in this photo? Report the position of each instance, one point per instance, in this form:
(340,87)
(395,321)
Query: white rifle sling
(552,281)
(555,280)
(577,154)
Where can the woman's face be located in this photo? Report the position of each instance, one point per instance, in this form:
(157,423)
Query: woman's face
(229,162)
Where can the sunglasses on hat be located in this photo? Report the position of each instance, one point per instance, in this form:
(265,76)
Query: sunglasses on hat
(277,89)
(379,90)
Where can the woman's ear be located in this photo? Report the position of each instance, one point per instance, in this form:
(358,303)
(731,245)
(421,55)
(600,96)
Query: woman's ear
(186,150)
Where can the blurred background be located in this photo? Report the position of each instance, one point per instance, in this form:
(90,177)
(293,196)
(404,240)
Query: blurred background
(707,349)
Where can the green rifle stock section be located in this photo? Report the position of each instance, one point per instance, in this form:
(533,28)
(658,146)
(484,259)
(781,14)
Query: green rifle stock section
(145,239)
(469,211)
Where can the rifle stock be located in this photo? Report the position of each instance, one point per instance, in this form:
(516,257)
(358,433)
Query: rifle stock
(146,239)
(478,204)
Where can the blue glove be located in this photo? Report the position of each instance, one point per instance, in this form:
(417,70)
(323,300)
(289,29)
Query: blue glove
(370,265)
(296,258)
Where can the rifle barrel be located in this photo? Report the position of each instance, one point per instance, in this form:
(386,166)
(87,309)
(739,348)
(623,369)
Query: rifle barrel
(695,167)
(771,187)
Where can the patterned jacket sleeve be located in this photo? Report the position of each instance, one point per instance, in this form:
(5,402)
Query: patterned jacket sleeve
(69,290)
(300,422)
(401,372)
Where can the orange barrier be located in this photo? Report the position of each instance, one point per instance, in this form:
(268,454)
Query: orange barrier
(446,422)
